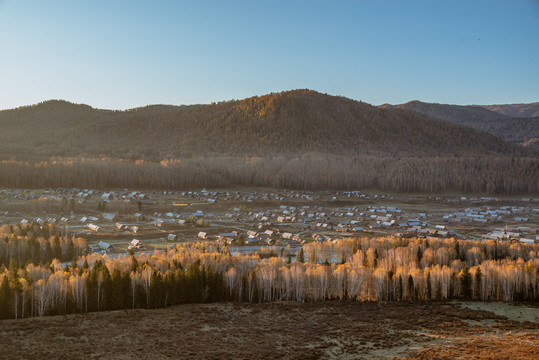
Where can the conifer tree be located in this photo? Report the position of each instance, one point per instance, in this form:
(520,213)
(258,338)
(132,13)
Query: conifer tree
(465,283)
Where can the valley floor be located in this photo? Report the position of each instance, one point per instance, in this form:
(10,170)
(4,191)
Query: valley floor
(331,330)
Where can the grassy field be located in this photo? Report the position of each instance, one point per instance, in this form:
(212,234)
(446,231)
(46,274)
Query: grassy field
(283,331)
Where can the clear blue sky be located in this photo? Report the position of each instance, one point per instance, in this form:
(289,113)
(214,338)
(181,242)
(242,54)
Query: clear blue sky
(122,54)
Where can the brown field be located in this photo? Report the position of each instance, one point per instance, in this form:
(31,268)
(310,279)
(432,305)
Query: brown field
(282,331)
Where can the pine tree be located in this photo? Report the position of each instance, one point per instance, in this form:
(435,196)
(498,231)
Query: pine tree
(57,248)
(419,254)
(411,289)
(134,263)
(301,256)
(47,255)
(465,283)
(70,252)
(5,299)
(390,293)
(478,276)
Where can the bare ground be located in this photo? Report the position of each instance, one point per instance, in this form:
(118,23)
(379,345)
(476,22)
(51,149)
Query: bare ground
(331,330)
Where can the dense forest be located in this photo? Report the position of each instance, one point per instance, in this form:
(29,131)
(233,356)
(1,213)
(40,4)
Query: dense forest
(519,129)
(515,110)
(293,122)
(38,244)
(382,269)
(309,171)
(460,114)
(297,139)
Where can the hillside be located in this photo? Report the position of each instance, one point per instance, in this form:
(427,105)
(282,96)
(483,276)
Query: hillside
(458,114)
(293,122)
(518,130)
(286,330)
(515,110)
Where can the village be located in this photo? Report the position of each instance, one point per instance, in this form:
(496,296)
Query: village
(247,219)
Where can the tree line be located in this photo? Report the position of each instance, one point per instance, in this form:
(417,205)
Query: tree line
(505,175)
(382,269)
(38,244)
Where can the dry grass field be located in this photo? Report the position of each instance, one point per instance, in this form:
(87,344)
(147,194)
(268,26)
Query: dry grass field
(282,331)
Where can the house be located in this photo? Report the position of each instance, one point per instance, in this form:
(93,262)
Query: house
(251,239)
(231,235)
(135,243)
(202,235)
(104,246)
(172,237)
(93,227)
(158,223)
(134,229)
(139,216)
(110,217)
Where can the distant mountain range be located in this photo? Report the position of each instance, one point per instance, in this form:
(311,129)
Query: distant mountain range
(298,121)
(517,123)
(516,110)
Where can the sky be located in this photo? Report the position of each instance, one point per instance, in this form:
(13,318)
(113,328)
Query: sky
(120,54)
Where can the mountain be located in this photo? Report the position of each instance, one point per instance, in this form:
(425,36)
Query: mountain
(296,139)
(518,130)
(296,121)
(515,110)
(458,114)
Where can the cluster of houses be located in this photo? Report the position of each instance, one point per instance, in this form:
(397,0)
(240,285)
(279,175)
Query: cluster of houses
(523,234)
(267,237)
(247,196)
(487,214)
(298,221)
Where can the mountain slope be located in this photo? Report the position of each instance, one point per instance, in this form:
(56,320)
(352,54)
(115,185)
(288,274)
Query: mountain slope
(458,114)
(294,122)
(515,110)
(518,130)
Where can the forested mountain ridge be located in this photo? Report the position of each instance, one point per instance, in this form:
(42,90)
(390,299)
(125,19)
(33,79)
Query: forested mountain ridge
(460,114)
(292,122)
(491,119)
(515,110)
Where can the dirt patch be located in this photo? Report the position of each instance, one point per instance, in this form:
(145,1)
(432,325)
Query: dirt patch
(331,330)
(519,312)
